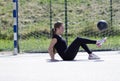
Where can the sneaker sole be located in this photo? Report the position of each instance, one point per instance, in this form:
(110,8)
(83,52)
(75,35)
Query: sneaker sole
(93,58)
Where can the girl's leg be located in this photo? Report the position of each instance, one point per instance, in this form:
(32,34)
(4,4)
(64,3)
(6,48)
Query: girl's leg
(86,41)
(73,49)
(85,47)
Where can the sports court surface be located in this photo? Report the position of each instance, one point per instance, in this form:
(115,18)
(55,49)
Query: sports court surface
(37,67)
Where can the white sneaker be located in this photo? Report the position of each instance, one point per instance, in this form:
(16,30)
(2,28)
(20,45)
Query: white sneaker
(93,57)
(100,42)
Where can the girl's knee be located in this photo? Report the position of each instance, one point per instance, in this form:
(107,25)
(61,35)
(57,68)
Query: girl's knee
(78,39)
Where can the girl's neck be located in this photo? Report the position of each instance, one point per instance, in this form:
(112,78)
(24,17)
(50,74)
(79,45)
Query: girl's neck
(58,34)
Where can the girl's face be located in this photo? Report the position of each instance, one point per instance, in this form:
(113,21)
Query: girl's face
(61,29)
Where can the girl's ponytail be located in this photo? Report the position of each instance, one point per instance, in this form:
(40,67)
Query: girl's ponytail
(53,32)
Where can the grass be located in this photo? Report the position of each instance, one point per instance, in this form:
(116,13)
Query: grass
(34,45)
(41,45)
(6,45)
(38,45)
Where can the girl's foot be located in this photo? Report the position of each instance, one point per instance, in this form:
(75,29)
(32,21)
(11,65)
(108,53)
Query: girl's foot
(93,57)
(100,42)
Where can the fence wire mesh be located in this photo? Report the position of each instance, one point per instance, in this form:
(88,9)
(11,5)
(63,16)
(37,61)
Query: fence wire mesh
(34,25)
(36,18)
(82,16)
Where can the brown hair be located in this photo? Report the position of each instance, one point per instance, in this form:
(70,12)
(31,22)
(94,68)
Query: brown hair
(56,25)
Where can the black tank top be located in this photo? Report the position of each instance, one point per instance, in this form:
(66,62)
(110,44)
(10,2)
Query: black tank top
(61,45)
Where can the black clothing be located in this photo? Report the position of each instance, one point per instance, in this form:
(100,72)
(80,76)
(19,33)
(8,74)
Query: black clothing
(69,53)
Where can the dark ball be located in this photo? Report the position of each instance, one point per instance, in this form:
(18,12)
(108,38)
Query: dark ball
(102,25)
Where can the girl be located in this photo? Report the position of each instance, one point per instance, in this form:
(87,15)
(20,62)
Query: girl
(68,53)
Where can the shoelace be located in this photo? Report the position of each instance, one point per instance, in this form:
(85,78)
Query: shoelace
(101,42)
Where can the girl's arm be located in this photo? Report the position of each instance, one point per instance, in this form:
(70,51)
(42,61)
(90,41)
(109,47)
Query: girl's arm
(51,48)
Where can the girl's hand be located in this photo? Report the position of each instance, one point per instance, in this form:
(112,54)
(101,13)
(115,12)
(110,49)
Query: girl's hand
(54,60)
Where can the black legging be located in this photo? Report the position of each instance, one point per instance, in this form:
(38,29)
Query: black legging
(73,49)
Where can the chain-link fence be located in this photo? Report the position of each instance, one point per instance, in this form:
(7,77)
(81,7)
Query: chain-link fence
(34,25)
(84,15)
(81,19)
(36,18)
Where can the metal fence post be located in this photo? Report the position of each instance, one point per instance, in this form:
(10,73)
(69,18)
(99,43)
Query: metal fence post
(50,18)
(66,22)
(111,13)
